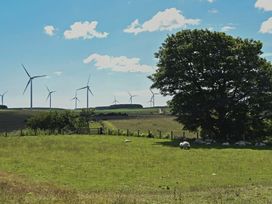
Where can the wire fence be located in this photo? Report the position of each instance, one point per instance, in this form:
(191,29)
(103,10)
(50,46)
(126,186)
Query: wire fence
(105,131)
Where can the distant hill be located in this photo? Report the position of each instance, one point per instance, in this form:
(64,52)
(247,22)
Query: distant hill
(119,106)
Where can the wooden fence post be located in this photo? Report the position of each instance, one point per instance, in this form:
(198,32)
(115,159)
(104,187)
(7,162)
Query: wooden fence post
(160,134)
(118,132)
(197,136)
(172,135)
(138,133)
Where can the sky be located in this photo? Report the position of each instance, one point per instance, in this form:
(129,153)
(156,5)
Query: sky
(113,41)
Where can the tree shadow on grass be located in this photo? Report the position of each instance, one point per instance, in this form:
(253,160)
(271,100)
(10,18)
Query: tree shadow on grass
(175,143)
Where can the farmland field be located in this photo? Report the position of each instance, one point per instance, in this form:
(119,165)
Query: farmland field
(165,124)
(136,111)
(105,169)
(15,119)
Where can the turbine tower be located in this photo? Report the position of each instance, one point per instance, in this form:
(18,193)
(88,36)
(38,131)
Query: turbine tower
(153,97)
(49,96)
(131,97)
(2,97)
(30,82)
(150,102)
(76,100)
(115,101)
(88,91)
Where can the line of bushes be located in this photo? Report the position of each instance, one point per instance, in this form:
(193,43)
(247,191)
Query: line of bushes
(59,121)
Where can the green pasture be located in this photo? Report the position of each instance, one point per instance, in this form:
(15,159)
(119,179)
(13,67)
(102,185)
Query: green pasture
(164,124)
(106,169)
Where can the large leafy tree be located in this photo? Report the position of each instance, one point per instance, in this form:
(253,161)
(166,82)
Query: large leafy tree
(218,83)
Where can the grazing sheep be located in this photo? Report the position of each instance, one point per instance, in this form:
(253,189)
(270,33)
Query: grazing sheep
(199,141)
(184,145)
(225,144)
(260,144)
(127,140)
(242,143)
(209,141)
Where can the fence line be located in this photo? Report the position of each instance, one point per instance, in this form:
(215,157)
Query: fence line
(101,131)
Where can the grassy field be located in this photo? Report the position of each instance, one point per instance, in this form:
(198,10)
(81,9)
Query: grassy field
(136,112)
(15,119)
(165,124)
(105,169)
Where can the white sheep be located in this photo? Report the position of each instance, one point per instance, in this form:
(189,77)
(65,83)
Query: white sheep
(260,144)
(225,144)
(127,140)
(185,145)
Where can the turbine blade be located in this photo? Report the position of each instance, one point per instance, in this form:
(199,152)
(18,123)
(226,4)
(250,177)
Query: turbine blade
(39,76)
(89,79)
(27,85)
(48,97)
(90,90)
(5,93)
(82,88)
(26,71)
(47,89)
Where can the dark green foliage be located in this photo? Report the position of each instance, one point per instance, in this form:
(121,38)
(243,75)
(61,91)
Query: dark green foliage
(219,83)
(3,107)
(60,121)
(118,106)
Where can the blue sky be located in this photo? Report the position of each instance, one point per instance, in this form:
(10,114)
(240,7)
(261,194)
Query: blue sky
(114,41)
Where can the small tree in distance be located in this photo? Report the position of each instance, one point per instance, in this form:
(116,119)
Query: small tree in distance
(219,83)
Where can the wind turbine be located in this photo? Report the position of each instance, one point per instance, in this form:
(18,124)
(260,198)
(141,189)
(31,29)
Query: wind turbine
(88,91)
(153,97)
(49,96)
(150,102)
(115,101)
(30,82)
(131,97)
(76,100)
(2,97)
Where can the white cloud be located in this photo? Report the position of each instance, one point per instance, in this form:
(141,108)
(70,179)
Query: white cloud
(266,5)
(58,73)
(227,28)
(49,30)
(118,64)
(168,19)
(266,26)
(213,11)
(211,1)
(85,30)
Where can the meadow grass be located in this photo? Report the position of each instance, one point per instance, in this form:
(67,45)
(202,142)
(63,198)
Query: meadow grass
(165,124)
(105,169)
(135,111)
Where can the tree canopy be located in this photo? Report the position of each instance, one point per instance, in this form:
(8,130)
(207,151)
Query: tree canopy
(218,83)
